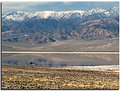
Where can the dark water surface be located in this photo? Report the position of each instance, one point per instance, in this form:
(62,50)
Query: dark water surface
(59,59)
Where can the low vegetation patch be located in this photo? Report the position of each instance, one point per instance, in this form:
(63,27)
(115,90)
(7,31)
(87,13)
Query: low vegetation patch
(18,77)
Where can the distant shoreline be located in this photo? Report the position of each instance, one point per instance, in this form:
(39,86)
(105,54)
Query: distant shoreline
(31,52)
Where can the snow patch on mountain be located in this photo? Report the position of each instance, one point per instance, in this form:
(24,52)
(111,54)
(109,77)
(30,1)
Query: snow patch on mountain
(20,16)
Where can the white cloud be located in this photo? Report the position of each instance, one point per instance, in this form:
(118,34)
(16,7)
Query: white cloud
(67,2)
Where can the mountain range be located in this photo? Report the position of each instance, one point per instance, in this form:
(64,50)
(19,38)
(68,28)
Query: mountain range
(50,26)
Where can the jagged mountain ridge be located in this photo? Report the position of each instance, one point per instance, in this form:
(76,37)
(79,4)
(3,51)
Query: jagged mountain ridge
(19,15)
(82,25)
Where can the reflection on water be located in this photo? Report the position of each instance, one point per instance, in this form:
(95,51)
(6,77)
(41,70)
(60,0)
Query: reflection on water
(59,59)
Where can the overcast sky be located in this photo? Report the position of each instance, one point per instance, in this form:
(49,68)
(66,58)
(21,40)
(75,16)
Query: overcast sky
(54,6)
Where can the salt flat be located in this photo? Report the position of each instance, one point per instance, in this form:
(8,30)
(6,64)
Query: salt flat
(109,68)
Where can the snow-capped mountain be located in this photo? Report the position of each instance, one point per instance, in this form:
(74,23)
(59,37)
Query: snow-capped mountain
(50,26)
(20,16)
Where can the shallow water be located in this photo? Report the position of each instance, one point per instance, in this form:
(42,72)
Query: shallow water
(59,59)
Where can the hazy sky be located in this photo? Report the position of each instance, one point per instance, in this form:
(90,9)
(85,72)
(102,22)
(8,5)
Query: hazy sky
(54,6)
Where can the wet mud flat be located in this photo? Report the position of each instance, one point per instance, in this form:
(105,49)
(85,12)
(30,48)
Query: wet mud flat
(32,77)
